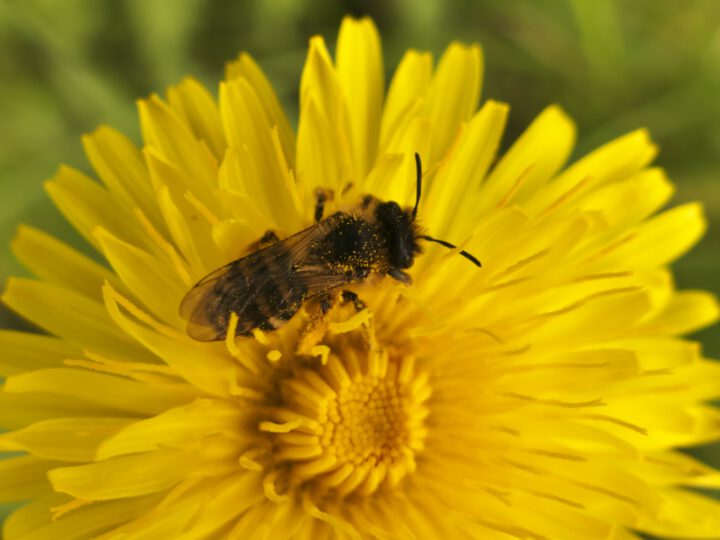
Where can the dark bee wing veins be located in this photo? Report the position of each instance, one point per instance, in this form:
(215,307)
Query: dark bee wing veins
(264,288)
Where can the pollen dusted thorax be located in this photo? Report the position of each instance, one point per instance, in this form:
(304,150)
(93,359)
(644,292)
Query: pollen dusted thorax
(353,246)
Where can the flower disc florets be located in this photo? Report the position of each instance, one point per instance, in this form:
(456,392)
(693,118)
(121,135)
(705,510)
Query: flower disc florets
(352,425)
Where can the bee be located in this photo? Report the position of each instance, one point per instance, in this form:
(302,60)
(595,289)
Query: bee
(269,285)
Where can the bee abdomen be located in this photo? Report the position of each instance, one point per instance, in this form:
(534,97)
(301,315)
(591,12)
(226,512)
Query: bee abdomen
(270,297)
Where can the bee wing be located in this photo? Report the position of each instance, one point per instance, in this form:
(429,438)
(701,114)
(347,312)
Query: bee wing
(202,304)
(205,305)
(240,285)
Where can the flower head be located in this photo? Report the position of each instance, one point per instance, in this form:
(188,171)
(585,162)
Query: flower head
(541,396)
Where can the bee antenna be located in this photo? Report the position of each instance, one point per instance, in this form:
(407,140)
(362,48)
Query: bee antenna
(448,245)
(418,191)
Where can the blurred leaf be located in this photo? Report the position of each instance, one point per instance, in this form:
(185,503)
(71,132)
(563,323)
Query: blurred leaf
(162,30)
(600,34)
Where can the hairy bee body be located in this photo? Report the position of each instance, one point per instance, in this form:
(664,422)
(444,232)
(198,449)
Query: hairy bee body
(268,286)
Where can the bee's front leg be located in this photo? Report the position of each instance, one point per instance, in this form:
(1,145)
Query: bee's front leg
(401,276)
(321,197)
(269,238)
(350,296)
(327,301)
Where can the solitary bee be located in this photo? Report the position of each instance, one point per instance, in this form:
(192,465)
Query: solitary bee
(268,286)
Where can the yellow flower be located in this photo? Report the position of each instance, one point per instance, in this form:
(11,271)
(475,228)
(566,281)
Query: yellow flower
(540,396)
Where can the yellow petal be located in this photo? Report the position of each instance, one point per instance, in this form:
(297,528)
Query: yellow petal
(393,179)
(65,439)
(176,428)
(561,300)
(233,236)
(71,316)
(164,131)
(191,237)
(625,204)
(683,514)
(658,353)
(246,125)
(662,239)
(194,104)
(412,136)
(246,68)
(69,268)
(450,207)
(700,381)
(686,312)
(169,175)
(665,422)
(571,372)
(673,468)
(148,278)
(240,493)
(22,351)
(23,478)
(320,83)
(613,161)
(196,362)
(319,78)
(172,516)
(121,167)
(599,318)
(453,95)
(533,159)
(20,410)
(105,391)
(240,193)
(86,205)
(408,87)
(125,476)
(361,77)
(319,151)
(35,521)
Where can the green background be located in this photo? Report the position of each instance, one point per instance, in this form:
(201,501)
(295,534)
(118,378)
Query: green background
(67,66)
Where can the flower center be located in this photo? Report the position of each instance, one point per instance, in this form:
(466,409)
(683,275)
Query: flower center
(351,426)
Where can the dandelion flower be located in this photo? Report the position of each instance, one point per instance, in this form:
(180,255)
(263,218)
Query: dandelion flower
(541,396)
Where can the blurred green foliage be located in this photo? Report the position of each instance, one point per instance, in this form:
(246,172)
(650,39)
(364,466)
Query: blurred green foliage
(67,66)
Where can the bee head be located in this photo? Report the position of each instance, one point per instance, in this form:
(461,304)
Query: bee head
(401,231)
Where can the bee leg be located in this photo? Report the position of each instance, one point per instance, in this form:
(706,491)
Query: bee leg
(401,276)
(349,296)
(321,197)
(347,187)
(267,239)
(327,301)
